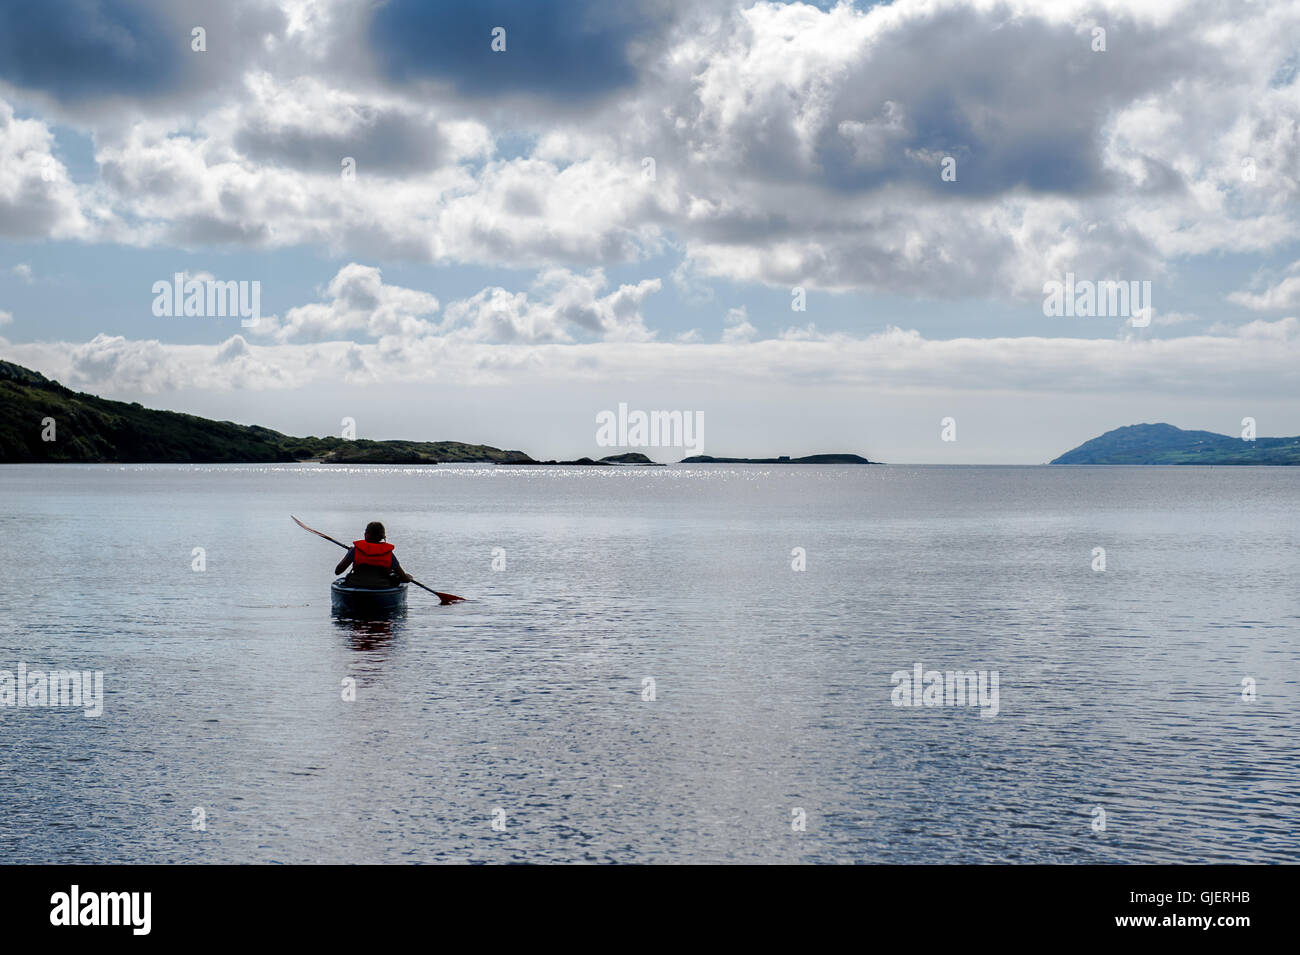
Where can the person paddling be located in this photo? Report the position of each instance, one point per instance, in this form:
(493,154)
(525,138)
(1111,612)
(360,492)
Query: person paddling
(372,561)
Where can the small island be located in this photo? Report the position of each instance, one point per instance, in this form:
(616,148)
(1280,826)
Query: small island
(784,459)
(632,459)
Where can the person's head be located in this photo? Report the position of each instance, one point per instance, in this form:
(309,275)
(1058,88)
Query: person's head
(375,532)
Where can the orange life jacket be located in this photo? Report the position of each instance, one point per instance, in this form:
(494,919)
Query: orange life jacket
(371,554)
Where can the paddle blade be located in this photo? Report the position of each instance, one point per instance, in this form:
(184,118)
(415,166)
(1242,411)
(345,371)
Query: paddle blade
(444,599)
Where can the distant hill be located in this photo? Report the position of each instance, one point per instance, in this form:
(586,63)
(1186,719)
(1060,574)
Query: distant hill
(88,429)
(810,459)
(1165,444)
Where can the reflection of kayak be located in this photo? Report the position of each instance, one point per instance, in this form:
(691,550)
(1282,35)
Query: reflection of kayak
(367,601)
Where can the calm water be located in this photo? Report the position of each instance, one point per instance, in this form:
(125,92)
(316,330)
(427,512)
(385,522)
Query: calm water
(223,689)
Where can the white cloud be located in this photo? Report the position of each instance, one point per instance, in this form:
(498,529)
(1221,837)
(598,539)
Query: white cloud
(359,301)
(810,333)
(737,326)
(563,305)
(1258,359)
(37,199)
(1282,294)
(793,145)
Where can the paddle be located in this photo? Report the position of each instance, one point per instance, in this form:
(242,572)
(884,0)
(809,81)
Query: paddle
(443,598)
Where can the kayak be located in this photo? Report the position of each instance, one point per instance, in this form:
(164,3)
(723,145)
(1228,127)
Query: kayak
(367,601)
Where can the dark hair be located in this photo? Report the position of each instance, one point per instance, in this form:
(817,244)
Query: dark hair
(375,532)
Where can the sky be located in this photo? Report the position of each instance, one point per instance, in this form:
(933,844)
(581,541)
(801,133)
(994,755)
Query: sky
(820,228)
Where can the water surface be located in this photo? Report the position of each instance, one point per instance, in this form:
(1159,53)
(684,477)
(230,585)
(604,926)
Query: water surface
(1119,689)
